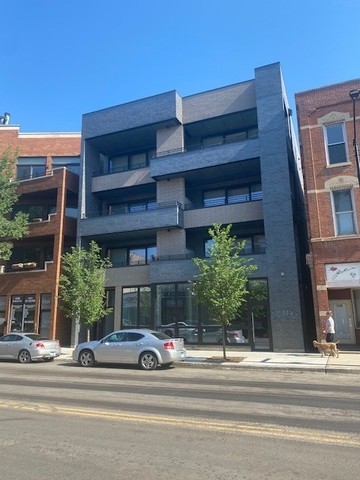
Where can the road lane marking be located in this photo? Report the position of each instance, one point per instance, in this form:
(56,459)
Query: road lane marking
(269,430)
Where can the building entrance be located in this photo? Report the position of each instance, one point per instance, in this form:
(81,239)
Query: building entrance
(344,324)
(23,313)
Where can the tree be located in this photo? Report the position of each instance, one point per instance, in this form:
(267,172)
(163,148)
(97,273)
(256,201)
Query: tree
(222,279)
(82,285)
(10,228)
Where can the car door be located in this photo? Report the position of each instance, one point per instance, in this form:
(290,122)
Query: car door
(109,349)
(131,347)
(10,346)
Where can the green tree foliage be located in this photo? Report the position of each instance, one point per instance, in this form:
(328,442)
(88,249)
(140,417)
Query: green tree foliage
(82,285)
(222,279)
(10,228)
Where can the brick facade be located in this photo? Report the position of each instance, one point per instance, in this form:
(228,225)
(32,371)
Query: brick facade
(31,281)
(317,110)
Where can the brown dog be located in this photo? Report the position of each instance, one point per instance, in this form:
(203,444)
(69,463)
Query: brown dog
(327,347)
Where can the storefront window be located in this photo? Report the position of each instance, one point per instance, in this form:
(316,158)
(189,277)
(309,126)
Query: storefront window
(23,313)
(176,311)
(45,314)
(2,314)
(136,307)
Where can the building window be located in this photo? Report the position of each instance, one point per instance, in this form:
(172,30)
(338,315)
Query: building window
(252,245)
(343,212)
(30,167)
(136,307)
(45,314)
(122,256)
(214,198)
(2,314)
(231,195)
(141,255)
(71,163)
(335,141)
(134,161)
(23,313)
(132,207)
(35,212)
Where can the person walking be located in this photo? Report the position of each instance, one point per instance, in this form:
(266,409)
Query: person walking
(329,327)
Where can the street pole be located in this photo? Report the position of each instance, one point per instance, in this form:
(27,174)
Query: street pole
(354,95)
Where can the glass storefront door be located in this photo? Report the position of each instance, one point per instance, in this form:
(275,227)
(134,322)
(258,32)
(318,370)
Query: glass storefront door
(23,313)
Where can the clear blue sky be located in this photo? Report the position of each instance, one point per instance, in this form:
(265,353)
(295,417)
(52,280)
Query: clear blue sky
(62,58)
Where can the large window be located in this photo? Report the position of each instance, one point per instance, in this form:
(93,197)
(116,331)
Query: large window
(30,167)
(142,255)
(45,314)
(253,244)
(2,313)
(23,313)
(136,307)
(71,163)
(344,213)
(335,141)
(35,212)
(133,161)
(132,207)
(231,195)
(122,256)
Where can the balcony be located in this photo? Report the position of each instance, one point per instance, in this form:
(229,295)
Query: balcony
(235,213)
(160,216)
(104,181)
(179,161)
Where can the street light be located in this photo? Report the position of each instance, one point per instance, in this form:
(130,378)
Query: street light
(354,95)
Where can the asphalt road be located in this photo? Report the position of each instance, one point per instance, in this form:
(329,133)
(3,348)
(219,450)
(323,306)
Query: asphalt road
(62,421)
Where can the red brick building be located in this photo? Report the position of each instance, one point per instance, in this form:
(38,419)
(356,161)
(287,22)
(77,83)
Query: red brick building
(48,169)
(326,130)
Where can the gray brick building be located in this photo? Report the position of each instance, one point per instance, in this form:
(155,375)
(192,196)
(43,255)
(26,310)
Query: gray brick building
(159,171)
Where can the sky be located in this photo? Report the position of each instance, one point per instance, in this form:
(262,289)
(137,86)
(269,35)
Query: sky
(60,59)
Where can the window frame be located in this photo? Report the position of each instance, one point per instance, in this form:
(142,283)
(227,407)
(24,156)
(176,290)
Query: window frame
(327,144)
(336,215)
(252,195)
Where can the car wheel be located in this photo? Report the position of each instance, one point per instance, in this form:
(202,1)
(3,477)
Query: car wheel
(86,358)
(148,361)
(166,365)
(24,356)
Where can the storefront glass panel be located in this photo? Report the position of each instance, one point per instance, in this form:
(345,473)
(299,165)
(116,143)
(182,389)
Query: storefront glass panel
(23,313)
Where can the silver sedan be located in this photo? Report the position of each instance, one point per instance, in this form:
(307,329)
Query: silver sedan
(146,348)
(26,347)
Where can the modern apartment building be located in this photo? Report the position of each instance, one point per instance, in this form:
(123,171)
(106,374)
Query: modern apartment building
(48,166)
(328,120)
(159,171)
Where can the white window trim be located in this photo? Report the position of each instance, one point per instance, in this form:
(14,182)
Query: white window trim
(328,164)
(334,212)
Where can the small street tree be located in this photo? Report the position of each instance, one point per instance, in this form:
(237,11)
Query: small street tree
(222,279)
(82,285)
(11,228)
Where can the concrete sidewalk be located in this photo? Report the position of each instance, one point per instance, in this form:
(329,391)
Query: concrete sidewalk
(348,361)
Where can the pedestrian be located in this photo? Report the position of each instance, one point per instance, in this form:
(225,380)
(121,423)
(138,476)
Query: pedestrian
(329,327)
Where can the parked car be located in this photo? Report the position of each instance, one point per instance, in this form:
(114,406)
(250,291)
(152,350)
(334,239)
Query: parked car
(236,336)
(213,334)
(184,330)
(146,348)
(26,347)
